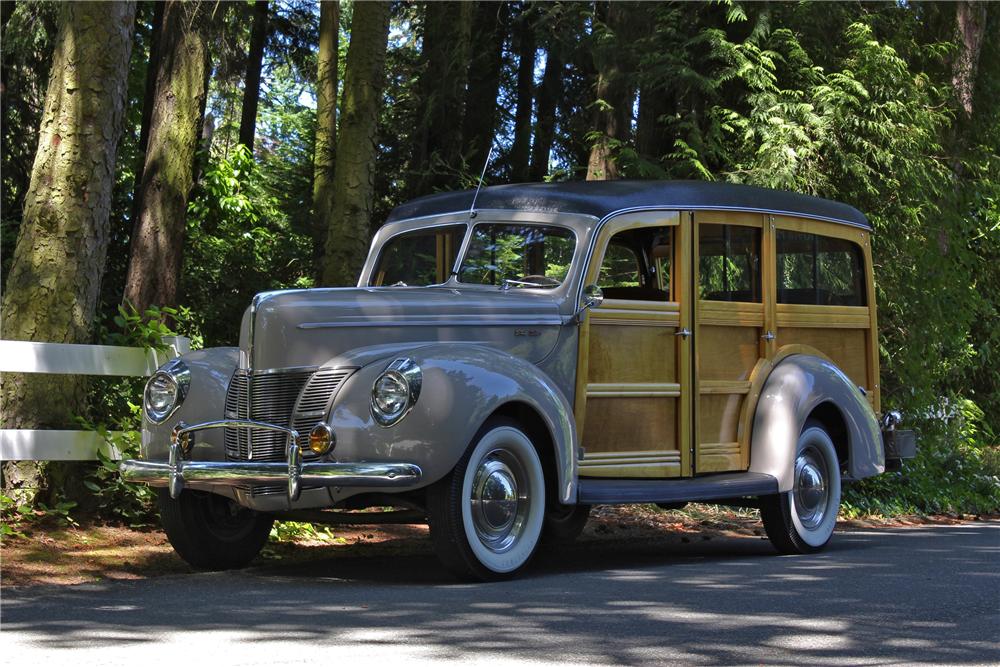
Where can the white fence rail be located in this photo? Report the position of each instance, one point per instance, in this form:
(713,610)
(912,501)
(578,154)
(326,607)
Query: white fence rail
(28,357)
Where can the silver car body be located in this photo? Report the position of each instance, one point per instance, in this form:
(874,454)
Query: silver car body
(482,350)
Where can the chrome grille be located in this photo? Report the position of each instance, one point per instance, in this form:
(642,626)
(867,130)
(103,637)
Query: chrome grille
(300,398)
(315,400)
(273,399)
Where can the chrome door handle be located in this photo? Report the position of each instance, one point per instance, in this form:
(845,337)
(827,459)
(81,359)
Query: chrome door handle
(769,336)
(683,333)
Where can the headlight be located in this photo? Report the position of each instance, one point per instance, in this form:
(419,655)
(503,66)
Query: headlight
(395,391)
(166,390)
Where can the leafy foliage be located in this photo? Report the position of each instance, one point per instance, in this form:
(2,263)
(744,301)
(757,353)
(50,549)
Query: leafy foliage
(239,243)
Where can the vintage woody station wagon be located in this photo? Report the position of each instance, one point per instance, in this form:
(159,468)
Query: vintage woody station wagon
(512,357)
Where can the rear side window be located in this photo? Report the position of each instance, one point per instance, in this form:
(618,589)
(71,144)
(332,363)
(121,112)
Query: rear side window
(819,270)
(728,263)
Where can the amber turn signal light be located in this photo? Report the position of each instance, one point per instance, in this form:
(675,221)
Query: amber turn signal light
(321,439)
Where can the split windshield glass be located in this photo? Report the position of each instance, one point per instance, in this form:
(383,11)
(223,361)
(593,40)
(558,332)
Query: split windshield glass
(520,255)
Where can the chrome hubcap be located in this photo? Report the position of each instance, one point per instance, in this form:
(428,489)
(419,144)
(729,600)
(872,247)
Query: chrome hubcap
(499,500)
(812,493)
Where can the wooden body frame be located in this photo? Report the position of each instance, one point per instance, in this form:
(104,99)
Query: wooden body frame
(716,390)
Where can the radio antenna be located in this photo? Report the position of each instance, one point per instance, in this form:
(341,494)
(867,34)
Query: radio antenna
(482,176)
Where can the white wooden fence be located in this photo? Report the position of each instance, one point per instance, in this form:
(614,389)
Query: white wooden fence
(27,357)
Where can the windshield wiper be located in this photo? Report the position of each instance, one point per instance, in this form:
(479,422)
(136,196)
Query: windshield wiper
(507,282)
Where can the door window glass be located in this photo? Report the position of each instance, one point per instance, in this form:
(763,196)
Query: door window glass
(729,263)
(636,265)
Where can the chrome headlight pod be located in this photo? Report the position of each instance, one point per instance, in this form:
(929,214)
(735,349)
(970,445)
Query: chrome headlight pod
(166,390)
(395,391)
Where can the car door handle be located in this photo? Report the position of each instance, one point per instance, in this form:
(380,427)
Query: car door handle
(683,333)
(769,336)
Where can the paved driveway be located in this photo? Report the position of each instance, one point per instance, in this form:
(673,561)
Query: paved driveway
(901,596)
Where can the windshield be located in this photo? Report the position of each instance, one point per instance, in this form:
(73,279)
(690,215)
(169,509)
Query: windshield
(419,258)
(520,255)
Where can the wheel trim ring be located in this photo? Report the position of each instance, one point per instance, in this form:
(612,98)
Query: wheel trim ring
(812,487)
(500,464)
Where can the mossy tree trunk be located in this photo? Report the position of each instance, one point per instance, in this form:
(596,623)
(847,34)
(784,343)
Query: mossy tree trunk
(55,277)
(326,123)
(168,175)
(354,178)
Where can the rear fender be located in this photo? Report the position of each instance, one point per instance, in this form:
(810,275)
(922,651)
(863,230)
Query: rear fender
(798,385)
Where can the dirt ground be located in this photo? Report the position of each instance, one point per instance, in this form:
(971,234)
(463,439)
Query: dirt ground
(47,553)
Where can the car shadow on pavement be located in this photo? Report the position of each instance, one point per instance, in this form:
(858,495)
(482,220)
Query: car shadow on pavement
(913,595)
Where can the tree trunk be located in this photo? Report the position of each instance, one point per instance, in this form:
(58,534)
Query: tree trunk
(251,84)
(438,147)
(479,126)
(613,93)
(158,238)
(54,282)
(970,24)
(520,150)
(147,103)
(326,124)
(354,178)
(651,140)
(545,128)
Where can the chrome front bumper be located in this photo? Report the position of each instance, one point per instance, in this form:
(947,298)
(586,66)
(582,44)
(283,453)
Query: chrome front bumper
(177,471)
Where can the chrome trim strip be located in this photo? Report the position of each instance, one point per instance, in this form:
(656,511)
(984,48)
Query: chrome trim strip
(177,471)
(288,369)
(388,321)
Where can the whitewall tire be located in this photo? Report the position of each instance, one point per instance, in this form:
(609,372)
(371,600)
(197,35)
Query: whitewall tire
(486,515)
(802,520)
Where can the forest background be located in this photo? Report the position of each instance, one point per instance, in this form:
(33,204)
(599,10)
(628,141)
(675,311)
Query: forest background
(163,162)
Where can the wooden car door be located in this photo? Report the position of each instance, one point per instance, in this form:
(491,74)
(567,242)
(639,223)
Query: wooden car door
(633,394)
(734,331)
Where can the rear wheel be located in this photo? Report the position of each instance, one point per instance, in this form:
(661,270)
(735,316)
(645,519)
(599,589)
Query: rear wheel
(802,520)
(486,515)
(212,532)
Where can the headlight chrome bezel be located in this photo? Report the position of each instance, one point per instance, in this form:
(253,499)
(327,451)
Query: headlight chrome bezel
(403,371)
(177,373)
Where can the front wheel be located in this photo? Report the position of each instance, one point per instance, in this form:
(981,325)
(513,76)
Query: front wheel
(486,515)
(802,520)
(212,532)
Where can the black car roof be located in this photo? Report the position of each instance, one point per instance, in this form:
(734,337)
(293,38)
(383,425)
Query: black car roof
(602,198)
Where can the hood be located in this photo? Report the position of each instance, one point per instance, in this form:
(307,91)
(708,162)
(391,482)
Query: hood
(310,327)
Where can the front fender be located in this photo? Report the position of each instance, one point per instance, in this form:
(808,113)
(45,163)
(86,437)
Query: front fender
(211,370)
(462,386)
(795,388)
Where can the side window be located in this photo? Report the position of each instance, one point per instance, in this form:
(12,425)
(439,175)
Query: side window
(729,263)
(819,270)
(636,265)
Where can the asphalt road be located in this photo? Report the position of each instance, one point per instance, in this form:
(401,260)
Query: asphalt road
(901,596)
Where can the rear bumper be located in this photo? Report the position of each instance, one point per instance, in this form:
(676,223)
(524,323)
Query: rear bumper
(177,471)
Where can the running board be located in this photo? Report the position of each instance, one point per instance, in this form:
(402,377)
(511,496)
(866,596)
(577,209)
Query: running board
(709,487)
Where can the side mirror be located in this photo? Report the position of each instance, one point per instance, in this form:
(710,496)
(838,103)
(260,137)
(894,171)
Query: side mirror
(593,297)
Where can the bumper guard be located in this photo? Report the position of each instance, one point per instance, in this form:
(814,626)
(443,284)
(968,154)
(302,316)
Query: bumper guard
(177,471)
